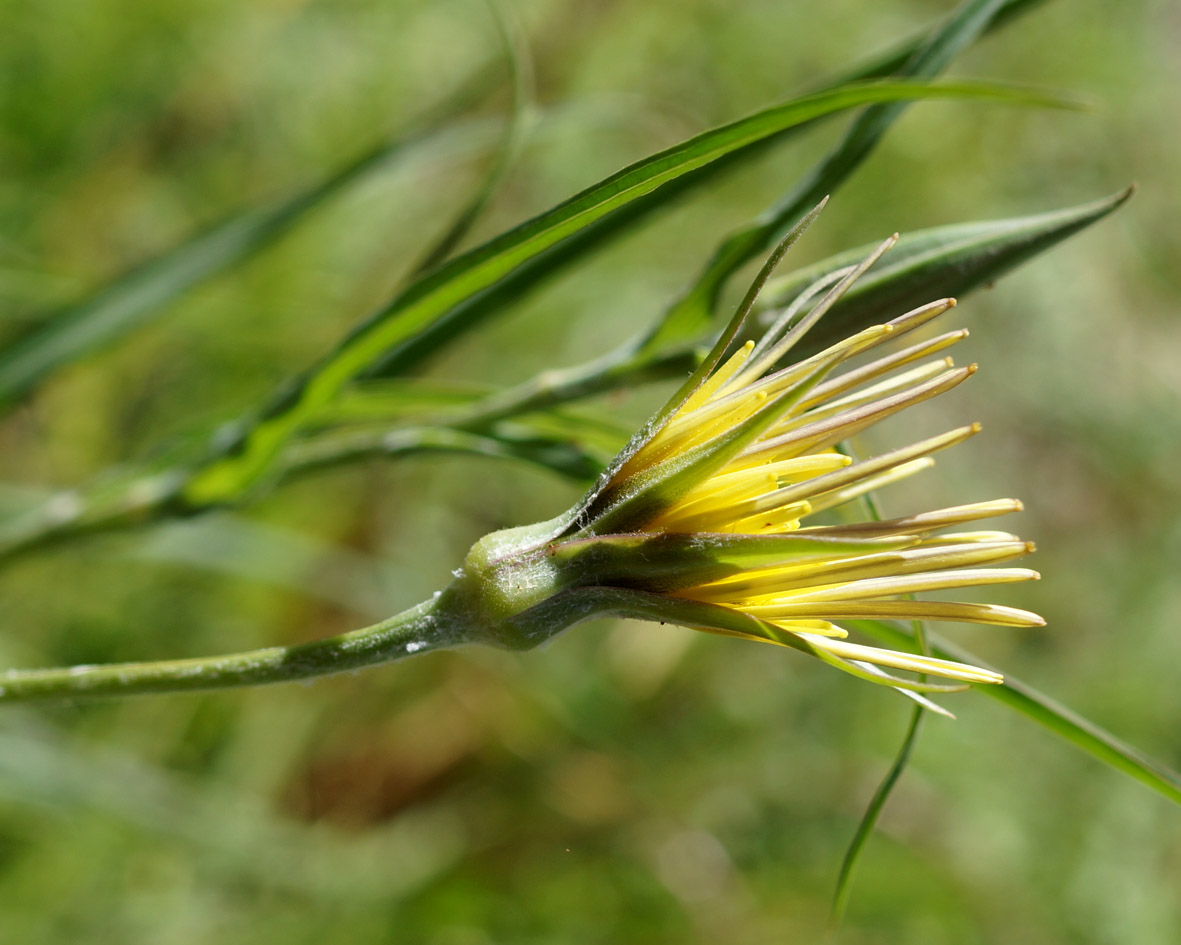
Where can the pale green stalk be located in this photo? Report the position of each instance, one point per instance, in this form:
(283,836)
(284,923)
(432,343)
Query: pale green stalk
(417,630)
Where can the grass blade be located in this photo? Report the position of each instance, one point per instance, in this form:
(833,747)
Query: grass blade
(548,264)
(941,261)
(690,314)
(895,58)
(139,295)
(873,810)
(869,819)
(1051,715)
(430,312)
(950,260)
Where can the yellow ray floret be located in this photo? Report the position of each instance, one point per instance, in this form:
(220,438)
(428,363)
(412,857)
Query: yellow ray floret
(790,472)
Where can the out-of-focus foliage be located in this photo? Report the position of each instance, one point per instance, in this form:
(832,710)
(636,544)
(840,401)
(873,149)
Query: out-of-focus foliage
(627,783)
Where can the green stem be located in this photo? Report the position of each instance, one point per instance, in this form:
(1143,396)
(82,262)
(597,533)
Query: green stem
(622,368)
(339,449)
(417,630)
(152,497)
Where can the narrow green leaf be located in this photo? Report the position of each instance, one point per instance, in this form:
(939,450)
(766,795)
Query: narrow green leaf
(951,259)
(869,819)
(572,444)
(1040,708)
(551,262)
(139,295)
(877,803)
(896,57)
(430,312)
(624,220)
(938,262)
(693,311)
(516,129)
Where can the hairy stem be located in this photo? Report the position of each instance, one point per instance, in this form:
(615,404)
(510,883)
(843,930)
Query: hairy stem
(417,630)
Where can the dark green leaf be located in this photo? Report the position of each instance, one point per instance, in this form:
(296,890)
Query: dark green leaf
(432,311)
(936,263)
(690,314)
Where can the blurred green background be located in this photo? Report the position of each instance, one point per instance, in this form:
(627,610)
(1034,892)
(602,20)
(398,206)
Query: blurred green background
(628,782)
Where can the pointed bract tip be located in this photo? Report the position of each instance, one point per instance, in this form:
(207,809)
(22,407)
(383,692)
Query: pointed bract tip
(972,368)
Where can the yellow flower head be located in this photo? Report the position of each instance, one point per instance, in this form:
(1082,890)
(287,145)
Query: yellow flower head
(712,516)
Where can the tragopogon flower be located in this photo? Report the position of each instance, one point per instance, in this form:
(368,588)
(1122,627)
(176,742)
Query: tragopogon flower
(711,517)
(707,518)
